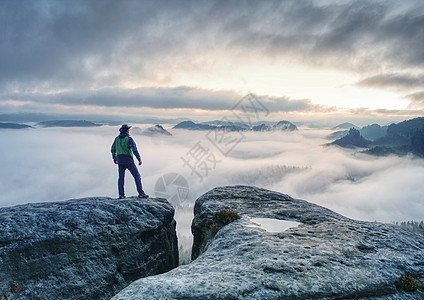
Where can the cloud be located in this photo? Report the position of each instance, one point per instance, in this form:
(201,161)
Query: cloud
(398,81)
(181,97)
(417,100)
(65,43)
(376,113)
(90,44)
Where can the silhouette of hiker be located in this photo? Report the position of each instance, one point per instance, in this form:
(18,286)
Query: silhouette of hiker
(122,149)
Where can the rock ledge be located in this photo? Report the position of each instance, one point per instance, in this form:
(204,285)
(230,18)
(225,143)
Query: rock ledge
(327,257)
(84,249)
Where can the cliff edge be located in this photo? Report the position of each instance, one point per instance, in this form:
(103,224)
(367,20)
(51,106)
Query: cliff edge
(85,248)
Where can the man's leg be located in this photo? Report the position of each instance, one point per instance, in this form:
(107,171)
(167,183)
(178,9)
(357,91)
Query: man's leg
(137,178)
(121,179)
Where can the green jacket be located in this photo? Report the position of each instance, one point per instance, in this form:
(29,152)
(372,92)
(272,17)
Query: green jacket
(123,148)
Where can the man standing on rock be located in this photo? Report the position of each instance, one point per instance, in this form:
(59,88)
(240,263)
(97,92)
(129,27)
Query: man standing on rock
(122,153)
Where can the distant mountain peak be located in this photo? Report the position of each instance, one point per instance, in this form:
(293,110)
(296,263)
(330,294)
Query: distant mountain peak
(345,125)
(156,130)
(285,126)
(190,125)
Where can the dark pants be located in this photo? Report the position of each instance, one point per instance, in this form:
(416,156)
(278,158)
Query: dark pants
(134,172)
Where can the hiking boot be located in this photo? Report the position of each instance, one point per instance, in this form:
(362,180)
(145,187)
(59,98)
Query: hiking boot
(122,197)
(143,196)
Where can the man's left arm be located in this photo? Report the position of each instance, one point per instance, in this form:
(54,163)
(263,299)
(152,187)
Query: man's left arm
(134,150)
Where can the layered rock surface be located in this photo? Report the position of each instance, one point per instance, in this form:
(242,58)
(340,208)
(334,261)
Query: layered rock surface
(328,256)
(83,249)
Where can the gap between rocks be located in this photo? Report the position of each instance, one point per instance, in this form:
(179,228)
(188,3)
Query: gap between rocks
(184,216)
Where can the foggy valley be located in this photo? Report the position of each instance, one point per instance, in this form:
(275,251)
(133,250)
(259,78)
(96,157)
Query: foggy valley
(59,163)
(50,164)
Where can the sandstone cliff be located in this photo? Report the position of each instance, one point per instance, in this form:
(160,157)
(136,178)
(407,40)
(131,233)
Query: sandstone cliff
(83,249)
(327,256)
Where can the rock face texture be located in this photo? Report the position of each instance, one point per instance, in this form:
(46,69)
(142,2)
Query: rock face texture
(83,249)
(327,256)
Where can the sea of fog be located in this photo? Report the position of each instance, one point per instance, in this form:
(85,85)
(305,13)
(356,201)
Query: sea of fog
(53,164)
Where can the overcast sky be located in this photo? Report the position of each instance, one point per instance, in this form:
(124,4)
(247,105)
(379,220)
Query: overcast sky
(197,58)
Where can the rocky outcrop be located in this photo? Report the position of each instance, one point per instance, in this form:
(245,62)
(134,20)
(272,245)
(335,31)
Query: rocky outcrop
(369,132)
(83,249)
(327,256)
(352,139)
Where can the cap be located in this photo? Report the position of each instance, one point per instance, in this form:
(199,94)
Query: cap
(124,128)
